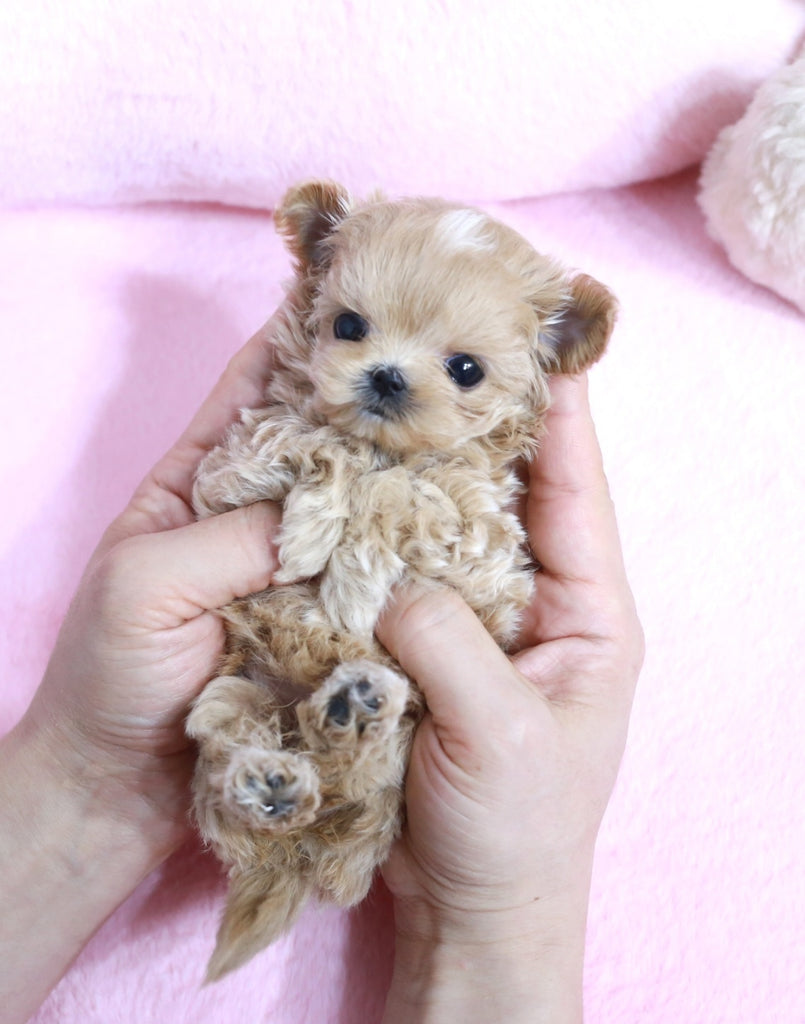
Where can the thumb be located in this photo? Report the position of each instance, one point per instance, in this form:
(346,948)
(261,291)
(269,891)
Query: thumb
(160,580)
(468,682)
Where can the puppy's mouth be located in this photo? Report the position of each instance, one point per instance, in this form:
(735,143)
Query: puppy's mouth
(384,393)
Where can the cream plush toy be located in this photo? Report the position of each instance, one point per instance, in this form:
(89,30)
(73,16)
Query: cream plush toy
(411,364)
(753,186)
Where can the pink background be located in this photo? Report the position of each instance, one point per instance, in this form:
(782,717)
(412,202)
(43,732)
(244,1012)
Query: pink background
(116,319)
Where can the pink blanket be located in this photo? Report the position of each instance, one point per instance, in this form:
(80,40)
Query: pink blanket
(116,321)
(232,102)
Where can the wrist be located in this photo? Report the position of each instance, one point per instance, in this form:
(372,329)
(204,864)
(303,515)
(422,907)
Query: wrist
(91,815)
(522,964)
(69,859)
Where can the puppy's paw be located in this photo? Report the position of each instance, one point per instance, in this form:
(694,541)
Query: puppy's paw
(271,790)
(359,704)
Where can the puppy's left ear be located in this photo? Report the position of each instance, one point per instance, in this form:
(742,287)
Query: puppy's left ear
(307,216)
(574,334)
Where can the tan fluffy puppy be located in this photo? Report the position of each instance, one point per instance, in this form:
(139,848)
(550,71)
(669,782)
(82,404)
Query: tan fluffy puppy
(411,373)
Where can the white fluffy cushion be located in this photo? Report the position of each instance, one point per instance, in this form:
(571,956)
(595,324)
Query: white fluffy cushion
(232,101)
(753,186)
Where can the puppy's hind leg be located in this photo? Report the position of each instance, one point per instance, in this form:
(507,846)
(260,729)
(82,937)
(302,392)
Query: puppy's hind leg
(355,710)
(245,783)
(358,727)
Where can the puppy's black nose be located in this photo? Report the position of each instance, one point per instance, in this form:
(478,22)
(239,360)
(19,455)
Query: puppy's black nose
(388,382)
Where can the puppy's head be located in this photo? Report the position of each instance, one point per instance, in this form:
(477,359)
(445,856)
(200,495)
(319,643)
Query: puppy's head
(433,325)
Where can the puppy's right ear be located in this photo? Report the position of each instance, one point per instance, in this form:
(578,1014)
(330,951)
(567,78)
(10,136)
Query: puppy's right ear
(575,332)
(307,216)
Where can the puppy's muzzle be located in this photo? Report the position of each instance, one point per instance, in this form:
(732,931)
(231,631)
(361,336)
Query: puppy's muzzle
(388,382)
(385,390)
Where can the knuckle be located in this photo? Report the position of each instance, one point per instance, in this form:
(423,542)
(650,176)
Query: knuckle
(118,582)
(257,535)
(124,560)
(426,610)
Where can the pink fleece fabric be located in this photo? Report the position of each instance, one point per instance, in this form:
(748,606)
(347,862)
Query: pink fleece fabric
(116,322)
(232,102)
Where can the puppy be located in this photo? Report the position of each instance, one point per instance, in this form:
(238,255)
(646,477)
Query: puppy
(411,374)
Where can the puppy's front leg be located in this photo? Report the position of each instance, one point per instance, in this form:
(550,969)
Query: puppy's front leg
(313,519)
(254,463)
(316,509)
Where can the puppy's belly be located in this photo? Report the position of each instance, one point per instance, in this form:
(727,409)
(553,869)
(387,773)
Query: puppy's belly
(284,639)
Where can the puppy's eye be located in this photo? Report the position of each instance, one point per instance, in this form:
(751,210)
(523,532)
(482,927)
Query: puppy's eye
(350,327)
(464,370)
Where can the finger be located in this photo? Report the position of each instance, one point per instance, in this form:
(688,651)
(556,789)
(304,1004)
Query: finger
(570,517)
(467,680)
(160,580)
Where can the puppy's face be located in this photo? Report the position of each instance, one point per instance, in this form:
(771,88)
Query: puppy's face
(431,323)
(423,338)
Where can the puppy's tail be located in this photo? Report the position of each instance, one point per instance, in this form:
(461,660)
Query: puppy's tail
(262,904)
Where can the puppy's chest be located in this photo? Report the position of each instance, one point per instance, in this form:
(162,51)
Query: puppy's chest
(450,527)
(435,512)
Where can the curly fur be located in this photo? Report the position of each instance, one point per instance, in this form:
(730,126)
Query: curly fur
(304,734)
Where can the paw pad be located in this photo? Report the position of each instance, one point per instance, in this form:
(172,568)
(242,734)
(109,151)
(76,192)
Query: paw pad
(359,701)
(272,790)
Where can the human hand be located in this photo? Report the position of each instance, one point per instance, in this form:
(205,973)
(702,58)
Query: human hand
(513,765)
(140,638)
(94,780)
